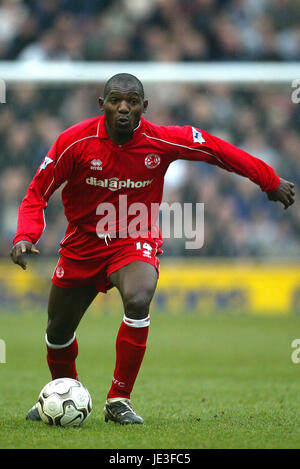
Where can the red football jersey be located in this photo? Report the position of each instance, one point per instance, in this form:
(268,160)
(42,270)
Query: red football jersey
(98,171)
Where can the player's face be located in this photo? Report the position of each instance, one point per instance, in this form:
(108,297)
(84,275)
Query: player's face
(123,107)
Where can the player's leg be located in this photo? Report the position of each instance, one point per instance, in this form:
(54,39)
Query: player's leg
(136,283)
(65,309)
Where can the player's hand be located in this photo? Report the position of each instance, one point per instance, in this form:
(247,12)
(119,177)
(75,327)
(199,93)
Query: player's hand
(18,251)
(284,194)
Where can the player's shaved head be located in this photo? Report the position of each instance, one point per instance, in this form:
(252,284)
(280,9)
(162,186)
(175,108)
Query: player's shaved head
(125,80)
(123,104)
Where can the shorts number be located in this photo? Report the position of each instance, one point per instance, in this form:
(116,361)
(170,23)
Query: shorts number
(147,249)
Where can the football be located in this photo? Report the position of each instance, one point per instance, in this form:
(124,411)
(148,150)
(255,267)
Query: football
(64,402)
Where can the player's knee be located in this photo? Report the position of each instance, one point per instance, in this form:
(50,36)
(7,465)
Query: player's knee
(58,333)
(137,304)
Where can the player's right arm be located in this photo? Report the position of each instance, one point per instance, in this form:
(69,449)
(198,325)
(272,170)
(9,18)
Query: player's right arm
(53,171)
(18,251)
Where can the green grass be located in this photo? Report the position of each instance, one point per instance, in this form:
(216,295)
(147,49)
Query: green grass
(215,382)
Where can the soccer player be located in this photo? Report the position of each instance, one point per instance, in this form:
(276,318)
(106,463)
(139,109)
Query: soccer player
(101,159)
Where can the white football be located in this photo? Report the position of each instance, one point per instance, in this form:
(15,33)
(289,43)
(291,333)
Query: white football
(64,402)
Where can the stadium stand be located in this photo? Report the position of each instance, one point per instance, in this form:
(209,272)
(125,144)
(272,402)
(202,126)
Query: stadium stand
(261,119)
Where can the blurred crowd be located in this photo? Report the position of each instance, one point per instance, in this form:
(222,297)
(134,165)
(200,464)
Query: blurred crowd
(263,120)
(239,219)
(143,30)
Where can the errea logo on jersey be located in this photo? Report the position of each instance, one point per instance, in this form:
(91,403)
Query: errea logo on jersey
(96,165)
(114,183)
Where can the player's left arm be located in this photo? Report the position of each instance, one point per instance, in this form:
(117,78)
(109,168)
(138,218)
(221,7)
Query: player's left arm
(199,145)
(284,194)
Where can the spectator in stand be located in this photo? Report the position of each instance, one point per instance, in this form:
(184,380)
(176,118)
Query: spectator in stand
(184,30)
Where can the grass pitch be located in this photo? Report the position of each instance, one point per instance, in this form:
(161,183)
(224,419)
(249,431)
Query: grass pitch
(214,382)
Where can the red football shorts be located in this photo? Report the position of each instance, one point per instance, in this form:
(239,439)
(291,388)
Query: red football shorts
(70,273)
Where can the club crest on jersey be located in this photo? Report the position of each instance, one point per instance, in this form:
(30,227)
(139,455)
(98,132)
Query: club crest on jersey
(197,136)
(45,162)
(59,272)
(96,165)
(152,161)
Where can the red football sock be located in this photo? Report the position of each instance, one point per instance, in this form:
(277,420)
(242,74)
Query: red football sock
(61,359)
(130,350)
